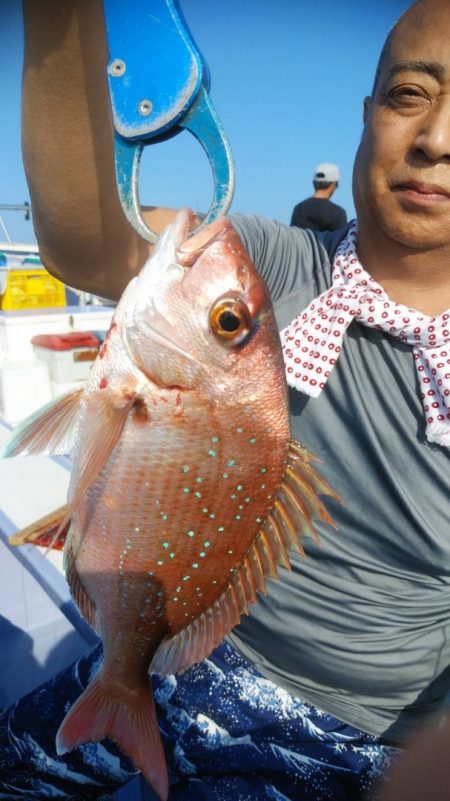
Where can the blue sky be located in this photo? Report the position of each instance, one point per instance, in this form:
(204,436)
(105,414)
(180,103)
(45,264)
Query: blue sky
(288,80)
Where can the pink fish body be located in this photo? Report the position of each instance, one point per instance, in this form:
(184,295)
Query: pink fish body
(186,492)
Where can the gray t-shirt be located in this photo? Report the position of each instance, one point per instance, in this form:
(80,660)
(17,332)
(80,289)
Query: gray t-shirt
(361,627)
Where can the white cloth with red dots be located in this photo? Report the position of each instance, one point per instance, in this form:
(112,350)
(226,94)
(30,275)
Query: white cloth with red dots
(312,342)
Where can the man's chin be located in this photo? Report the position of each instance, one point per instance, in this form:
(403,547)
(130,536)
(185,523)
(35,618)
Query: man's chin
(417,236)
(414,231)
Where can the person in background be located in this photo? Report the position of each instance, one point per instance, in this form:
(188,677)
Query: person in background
(318,213)
(316,691)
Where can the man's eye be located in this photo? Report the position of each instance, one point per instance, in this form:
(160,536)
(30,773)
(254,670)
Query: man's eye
(405,91)
(408,95)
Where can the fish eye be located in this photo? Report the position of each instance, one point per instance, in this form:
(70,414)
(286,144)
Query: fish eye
(230,321)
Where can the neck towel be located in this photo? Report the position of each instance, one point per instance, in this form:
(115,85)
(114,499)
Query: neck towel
(313,341)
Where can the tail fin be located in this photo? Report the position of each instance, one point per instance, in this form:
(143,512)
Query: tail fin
(126,716)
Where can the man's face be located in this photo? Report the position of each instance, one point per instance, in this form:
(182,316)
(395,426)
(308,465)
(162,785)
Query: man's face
(401,179)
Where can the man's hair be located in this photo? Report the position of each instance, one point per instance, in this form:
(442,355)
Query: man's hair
(386,46)
(323,184)
(382,58)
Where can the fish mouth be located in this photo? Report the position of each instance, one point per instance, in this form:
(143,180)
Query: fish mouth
(189,250)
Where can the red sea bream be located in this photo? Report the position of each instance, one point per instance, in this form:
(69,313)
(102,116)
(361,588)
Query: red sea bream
(186,491)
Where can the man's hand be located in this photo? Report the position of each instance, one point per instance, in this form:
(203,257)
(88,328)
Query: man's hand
(67,132)
(423,772)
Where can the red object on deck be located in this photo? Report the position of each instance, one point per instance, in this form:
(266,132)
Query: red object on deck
(75,339)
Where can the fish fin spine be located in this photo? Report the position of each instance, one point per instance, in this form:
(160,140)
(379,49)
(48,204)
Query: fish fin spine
(300,460)
(126,716)
(264,558)
(272,532)
(248,585)
(259,566)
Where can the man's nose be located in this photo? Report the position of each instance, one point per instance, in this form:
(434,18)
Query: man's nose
(433,138)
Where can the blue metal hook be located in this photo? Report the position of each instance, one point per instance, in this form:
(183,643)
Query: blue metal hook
(158,83)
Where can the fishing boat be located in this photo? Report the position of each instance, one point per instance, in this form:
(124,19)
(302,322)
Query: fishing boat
(49,337)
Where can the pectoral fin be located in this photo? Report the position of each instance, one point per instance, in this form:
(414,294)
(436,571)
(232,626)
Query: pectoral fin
(49,430)
(103,425)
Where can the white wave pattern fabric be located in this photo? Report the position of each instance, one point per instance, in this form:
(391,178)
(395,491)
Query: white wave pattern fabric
(312,342)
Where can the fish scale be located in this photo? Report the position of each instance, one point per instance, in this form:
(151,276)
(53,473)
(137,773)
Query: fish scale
(186,492)
(211,514)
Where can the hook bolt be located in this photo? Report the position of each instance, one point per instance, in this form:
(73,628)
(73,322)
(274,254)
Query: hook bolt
(145,108)
(117,68)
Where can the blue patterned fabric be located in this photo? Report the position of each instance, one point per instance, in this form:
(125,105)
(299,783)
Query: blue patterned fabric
(229,734)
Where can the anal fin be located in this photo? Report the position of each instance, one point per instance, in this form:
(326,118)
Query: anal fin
(44,532)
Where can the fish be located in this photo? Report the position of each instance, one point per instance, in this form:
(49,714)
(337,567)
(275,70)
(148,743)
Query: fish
(187,492)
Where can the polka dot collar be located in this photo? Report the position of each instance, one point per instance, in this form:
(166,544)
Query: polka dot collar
(312,342)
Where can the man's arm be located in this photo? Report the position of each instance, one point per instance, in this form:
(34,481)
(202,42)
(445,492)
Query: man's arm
(67,135)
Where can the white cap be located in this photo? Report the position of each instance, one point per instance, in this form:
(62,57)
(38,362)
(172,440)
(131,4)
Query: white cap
(327,172)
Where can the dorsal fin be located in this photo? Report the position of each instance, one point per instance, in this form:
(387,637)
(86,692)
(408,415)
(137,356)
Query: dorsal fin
(260,567)
(273,532)
(301,460)
(287,525)
(290,518)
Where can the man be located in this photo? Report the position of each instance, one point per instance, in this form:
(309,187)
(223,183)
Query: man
(315,691)
(318,213)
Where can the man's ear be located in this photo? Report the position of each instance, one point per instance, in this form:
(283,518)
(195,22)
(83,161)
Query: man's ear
(366,108)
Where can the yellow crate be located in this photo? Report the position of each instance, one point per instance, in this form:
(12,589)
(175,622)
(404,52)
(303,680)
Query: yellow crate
(32,288)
